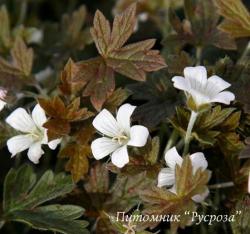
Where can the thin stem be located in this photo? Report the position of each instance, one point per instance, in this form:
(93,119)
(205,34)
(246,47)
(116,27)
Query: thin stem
(221,185)
(23,11)
(198,55)
(192,120)
(171,141)
(244,54)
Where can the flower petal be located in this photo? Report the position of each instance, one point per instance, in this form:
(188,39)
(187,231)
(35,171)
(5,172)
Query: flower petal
(215,84)
(2,104)
(123,116)
(54,143)
(103,146)
(166,177)
(38,115)
(35,152)
(181,83)
(120,157)
(200,197)
(173,189)
(19,143)
(138,136)
(197,77)
(105,123)
(172,158)
(224,97)
(198,161)
(21,120)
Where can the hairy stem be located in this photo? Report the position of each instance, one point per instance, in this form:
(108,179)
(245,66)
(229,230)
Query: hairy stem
(221,185)
(192,120)
(171,141)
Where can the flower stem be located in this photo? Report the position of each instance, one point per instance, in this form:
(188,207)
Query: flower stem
(198,55)
(221,185)
(171,141)
(244,54)
(192,120)
(23,11)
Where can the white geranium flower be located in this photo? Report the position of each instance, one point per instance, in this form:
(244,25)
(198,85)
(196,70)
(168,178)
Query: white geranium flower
(34,134)
(203,90)
(118,134)
(166,176)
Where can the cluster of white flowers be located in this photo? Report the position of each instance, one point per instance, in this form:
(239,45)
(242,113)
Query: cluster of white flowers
(117,133)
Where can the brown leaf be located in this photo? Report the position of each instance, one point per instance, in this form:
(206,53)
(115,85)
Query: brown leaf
(78,163)
(132,60)
(22,60)
(61,115)
(68,86)
(237,17)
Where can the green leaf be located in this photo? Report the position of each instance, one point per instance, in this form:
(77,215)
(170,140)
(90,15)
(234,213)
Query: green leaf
(23,194)
(56,218)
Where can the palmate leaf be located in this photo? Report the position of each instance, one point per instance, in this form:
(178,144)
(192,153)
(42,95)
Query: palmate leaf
(132,60)
(159,201)
(237,17)
(23,195)
(159,97)
(78,152)
(22,60)
(199,28)
(62,115)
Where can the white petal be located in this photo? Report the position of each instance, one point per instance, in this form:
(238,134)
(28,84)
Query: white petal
(166,177)
(224,97)
(120,157)
(197,76)
(53,144)
(181,83)
(38,115)
(21,120)
(105,123)
(103,146)
(123,116)
(172,158)
(2,104)
(138,136)
(198,161)
(215,84)
(19,143)
(200,197)
(35,152)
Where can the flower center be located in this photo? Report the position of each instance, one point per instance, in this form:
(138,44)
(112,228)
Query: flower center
(121,139)
(37,134)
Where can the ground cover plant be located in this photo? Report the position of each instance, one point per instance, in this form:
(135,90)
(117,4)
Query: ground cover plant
(125,116)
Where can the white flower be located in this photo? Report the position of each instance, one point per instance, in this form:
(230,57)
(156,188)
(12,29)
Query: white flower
(203,90)
(118,134)
(166,176)
(34,134)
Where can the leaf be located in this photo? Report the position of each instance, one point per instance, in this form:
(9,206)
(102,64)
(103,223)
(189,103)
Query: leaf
(72,27)
(116,99)
(78,163)
(23,195)
(187,183)
(56,218)
(199,28)
(58,112)
(132,60)
(5,39)
(68,86)
(22,60)
(237,17)
(210,124)
(159,98)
